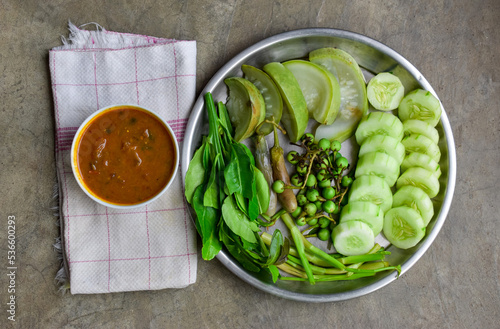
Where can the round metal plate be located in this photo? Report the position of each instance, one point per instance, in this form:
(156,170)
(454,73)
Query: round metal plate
(373,57)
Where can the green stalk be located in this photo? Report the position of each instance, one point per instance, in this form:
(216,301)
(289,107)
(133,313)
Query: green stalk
(328,278)
(212,124)
(295,269)
(372,255)
(308,246)
(310,257)
(292,270)
(315,269)
(298,239)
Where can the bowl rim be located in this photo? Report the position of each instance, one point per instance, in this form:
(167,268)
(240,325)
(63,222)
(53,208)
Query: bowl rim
(353,36)
(74,157)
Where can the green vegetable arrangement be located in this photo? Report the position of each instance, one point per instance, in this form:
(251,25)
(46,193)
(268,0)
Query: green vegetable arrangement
(228,192)
(325,198)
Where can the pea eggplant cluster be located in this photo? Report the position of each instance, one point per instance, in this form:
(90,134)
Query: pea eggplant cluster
(323,179)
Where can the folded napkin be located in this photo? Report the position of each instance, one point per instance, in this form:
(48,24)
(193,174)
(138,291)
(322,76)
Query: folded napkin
(106,249)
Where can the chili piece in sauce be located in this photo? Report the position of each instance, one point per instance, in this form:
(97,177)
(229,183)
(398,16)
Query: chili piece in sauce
(126,156)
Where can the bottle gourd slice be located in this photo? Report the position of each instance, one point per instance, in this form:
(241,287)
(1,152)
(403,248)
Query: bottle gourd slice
(245,106)
(295,115)
(270,93)
(320,89)
(353,100)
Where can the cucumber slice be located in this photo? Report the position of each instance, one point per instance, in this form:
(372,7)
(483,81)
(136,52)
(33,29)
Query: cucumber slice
(295,116)
(245,106)
(378,164)
(422,128)
(366,212)
(415,198)
(421,105)
(415,159)
(379,123)
(353,238)
(403,227)
(421,178)
(353,100)
(385,91)
(421,144)
(385,144)
(372,189)
(320,89)
(270,93)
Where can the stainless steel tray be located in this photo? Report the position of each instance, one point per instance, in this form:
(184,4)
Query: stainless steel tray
(373,57)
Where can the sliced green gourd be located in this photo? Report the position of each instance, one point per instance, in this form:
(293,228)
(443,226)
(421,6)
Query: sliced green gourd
(415,159)
(385,91)
(421,144)
(421,178)
(422,128)
(378,164)
(379,123)
(353,238)
(415,198)
(245,106)
(364,211)
(295,115)
(270,93)
(403,227)
(385,144)
(353,100)
(372,189)
(320,89)
(421,105)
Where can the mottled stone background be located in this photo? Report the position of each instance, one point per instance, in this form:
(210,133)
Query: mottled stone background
(455,44)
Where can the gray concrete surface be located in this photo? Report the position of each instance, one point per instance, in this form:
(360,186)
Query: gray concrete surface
(455,44)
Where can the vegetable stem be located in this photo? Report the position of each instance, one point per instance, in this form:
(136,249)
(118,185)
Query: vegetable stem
(298,239)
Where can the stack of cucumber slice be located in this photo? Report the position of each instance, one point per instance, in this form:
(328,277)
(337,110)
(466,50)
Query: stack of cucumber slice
(396,153)
(381,153)
(412,209)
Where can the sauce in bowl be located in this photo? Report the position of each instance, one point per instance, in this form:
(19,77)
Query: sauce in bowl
(125,156)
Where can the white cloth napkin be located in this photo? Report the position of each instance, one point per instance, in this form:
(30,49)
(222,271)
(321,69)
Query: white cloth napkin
(106,249)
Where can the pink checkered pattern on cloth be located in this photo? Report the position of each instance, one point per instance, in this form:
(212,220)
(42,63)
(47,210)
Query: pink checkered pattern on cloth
(106,249)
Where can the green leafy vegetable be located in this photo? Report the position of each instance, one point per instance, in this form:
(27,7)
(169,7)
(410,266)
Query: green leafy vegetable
(237,221)
(206,225)
(195,174)
(228,193)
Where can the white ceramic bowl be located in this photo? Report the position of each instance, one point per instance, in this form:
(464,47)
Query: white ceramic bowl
(74,156)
